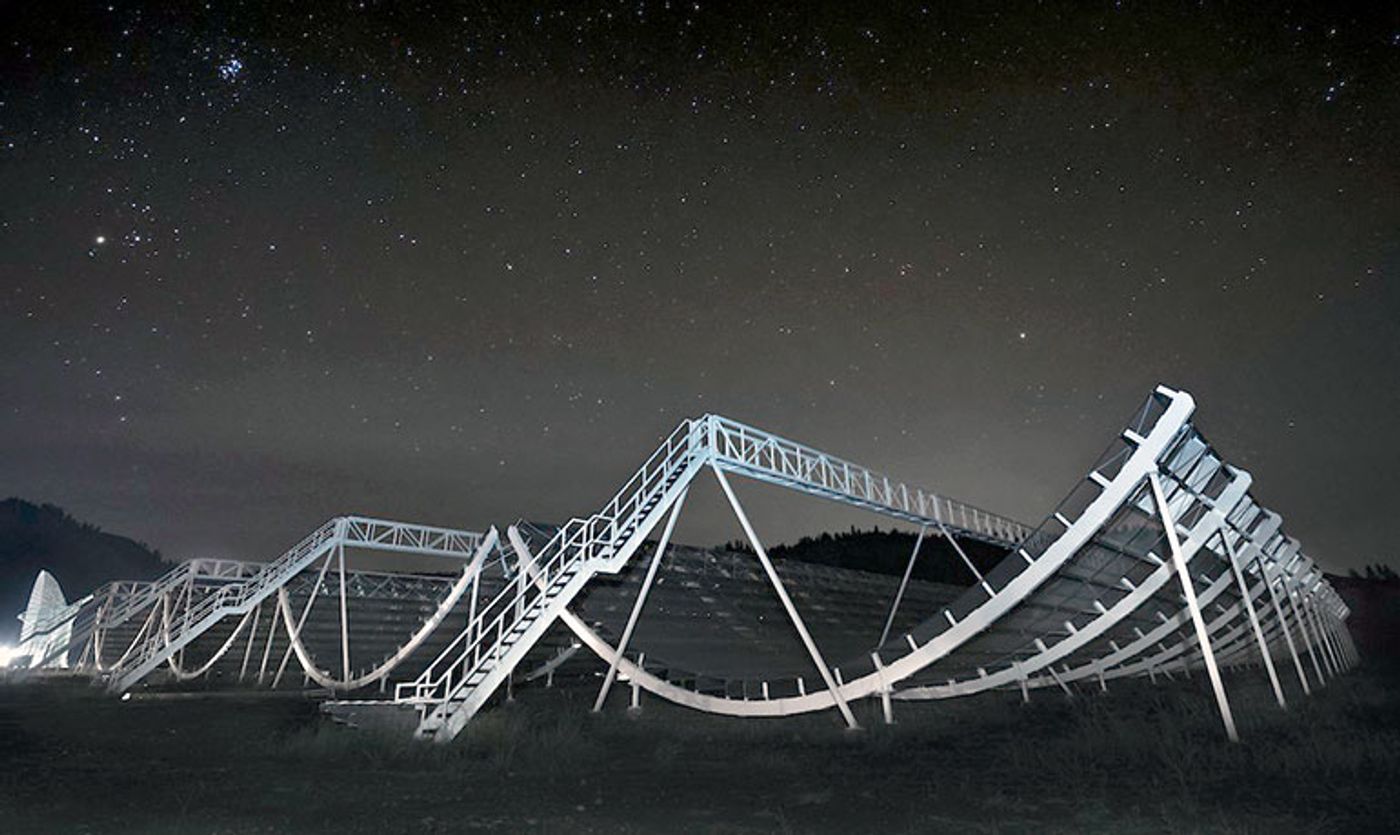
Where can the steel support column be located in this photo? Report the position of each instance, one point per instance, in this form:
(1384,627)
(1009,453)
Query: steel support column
(1283,624)
(310,601)
(1202,635)
(641,600)
(1327,653)
(344,618)
(966,561)
(903,584)
(1308,638)
(1254,619)
(778,588)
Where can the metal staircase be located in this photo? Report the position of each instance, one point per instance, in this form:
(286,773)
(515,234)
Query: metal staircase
(195,618)
(498,637)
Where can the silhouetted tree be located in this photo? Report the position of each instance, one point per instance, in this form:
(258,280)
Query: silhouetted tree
(887,552)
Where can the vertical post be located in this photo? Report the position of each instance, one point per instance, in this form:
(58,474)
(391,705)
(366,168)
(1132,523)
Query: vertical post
(252,636)
(885,706)
(796,619)
(1327,657)
(99,632)
(267,648)
(1283,623)
(636,706)
(344,619)
(1351,644)
(1254,618)
(903,583)
(185,615)
(1332,629)
(1307,636)
(640,601)
(471,607)
(1344,636)
(1330,621)
(1202,635)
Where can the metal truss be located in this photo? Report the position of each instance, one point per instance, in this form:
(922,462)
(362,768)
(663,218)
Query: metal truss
(189,600)
(1159,562)
(498,637)
(1109,585)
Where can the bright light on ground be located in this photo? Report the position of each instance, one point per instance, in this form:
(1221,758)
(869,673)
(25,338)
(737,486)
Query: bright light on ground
(8,654)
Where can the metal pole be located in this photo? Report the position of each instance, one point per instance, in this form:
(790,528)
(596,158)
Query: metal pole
(1202,636)
(344,619)
(787,601)
(1254,619)
(1283,623)
(1345,634)
(641,600)
(291,636)
(970,567)
(1327,655)
(267,648)
(899,595)
(1329,624)
(1330,621)
(1307,637)
(885,705)
(252,637)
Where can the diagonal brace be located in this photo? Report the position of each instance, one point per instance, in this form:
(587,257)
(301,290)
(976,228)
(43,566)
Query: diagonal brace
(787,602)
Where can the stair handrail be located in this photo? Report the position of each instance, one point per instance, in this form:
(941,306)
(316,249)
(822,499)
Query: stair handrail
(579,540)
(233,595)
(139,601)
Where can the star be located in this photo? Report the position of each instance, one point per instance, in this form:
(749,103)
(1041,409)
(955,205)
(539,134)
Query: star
(230,69)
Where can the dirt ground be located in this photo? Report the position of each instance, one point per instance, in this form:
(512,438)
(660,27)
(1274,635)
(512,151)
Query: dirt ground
(1141,758)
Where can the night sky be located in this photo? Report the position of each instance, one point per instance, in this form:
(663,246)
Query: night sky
(468,263)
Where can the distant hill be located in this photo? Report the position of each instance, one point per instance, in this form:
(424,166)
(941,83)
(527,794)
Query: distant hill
(79,555)
(1374,600)
(887,552)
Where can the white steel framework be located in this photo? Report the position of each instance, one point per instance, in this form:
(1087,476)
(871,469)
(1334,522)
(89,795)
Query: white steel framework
(1089,593)
(1160,561)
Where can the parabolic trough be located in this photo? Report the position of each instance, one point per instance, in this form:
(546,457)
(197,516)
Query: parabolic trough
(1159,561)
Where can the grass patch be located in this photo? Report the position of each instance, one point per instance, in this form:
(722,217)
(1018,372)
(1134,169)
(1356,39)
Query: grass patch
(1139,759)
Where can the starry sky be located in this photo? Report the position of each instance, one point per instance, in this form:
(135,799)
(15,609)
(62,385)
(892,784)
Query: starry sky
(465,263)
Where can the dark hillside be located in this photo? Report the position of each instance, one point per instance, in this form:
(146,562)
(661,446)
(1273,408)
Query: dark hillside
(1375,613)
(80,556)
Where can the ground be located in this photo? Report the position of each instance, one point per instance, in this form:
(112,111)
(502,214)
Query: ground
(1137,759)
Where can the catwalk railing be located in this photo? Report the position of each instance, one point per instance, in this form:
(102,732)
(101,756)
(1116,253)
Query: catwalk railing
(1153,508)
(1159,560)
(463,676)
(197,616)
